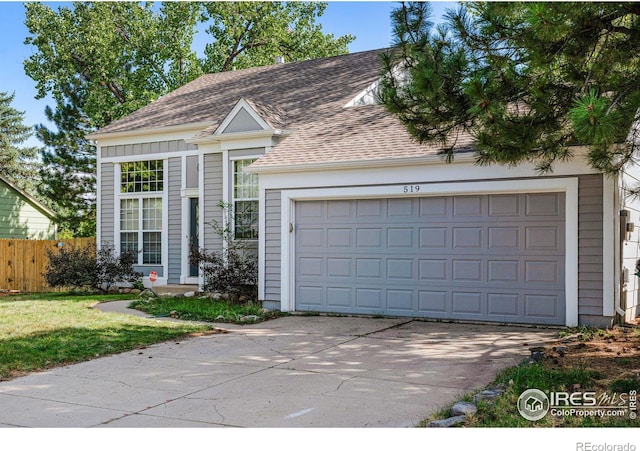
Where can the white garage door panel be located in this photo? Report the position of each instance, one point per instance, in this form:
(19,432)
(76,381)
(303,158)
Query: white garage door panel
(485,257)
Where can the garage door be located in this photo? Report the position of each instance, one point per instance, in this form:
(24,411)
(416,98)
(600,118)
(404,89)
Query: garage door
(482,257)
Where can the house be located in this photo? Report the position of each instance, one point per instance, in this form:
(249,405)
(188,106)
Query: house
(353,216)
(22,216)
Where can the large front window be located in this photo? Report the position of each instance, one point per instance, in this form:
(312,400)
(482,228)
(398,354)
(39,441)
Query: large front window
(245,201)
(141,210)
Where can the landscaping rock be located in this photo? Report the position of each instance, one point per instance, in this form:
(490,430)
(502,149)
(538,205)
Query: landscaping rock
(464,408)
(562,350)
(148,293)
(487,395)
(135,291)
(447,422)
(250,318)
(189,294)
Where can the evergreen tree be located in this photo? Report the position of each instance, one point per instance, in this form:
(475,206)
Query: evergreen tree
(527,80)
(17,162)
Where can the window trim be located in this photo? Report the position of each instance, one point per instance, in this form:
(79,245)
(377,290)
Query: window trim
(233,199)
(164,215)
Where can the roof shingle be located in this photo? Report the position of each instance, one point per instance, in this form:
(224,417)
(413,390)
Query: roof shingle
(307,98)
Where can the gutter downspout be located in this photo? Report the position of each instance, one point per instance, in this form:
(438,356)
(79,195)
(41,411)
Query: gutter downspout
(624,215)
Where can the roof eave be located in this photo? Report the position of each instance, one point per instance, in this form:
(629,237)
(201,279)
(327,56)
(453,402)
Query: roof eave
(194,126)
(356,164)
(32,200)
(213,138)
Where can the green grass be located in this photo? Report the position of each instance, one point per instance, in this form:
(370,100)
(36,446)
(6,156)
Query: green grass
(203,309)
(503,412)
(48,330)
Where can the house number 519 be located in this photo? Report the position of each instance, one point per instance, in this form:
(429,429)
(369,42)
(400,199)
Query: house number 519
(411,188)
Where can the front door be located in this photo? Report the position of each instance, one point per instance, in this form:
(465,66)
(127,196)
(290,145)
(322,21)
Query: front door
(194,242)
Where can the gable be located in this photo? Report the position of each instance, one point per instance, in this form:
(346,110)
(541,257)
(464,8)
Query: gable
(243,121)
(20,217)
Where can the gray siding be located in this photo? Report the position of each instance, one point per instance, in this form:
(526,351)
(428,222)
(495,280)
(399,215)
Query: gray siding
(174,228)
(212,196)
(242,122)
(272,250)
(142,149)
(590,258)
(246,152)
(192,172)
(107,205)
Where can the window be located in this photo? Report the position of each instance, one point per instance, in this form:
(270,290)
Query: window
(141,210)
(141,176)
(245,201)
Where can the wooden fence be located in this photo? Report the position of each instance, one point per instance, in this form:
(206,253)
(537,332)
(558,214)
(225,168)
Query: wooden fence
(23,262)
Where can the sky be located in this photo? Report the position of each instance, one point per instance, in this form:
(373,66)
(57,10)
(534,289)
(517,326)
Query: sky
(368,21)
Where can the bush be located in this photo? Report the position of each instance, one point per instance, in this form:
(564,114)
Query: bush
(230,271)
(71,268)
(113,269)
(81,268)
(234,269)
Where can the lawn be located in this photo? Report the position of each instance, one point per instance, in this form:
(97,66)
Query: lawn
(203,309)
(603,362)
(48,330)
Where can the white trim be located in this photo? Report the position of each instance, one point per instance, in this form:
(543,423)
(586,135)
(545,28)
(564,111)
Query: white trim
(98,198)
(435,172)
(230,199)
(133,136)
(116,207)
(164,231)
(240,140)
(189,192)
(184,223)
(610,246)
(262,242)
(201,203)
(567,185)
(241,104)
(226,177)
(150,156)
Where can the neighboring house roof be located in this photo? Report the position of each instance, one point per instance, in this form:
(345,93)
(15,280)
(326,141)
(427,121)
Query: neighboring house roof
(28,197)
(308,98)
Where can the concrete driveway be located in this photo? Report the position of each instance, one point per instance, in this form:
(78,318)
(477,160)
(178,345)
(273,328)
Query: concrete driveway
(295,371)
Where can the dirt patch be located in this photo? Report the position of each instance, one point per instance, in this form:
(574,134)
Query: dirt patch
(613,355)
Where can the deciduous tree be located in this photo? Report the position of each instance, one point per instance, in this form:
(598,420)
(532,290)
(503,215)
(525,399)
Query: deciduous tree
(100,61)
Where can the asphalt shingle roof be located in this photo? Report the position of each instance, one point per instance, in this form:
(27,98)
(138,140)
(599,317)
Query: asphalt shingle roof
(307,98)
(302,90)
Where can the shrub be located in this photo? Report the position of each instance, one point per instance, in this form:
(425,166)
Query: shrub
(232,270)
(115,269)
(81,268)
(71,268)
